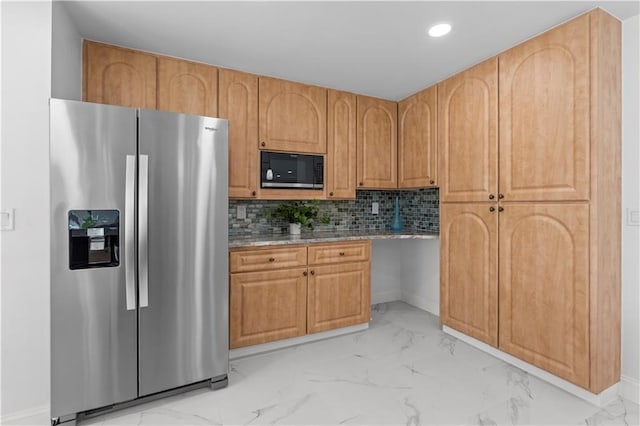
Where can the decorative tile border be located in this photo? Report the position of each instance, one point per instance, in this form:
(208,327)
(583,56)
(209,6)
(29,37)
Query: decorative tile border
(418,208)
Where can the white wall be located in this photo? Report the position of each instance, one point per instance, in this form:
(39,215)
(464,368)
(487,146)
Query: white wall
(26,87)
(386,263)
(420,274)
(630,200)
(66,55)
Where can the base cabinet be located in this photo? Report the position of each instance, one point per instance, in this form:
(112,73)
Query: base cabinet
(275,294)
(469,269)
(267,306)
(544,286)
(338,296)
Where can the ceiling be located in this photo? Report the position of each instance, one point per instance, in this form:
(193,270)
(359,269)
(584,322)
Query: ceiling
(374,48)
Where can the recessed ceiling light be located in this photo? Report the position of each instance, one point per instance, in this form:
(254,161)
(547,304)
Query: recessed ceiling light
(439,30)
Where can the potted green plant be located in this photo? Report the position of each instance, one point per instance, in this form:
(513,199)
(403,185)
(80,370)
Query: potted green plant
(298,214)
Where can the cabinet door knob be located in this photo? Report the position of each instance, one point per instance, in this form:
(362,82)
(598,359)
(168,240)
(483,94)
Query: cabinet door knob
(313,273)
(360,183)
(304,273)
(492,209)
(341,253)
(331,194)
(432,181)
(263,144)
(271,259)
(491,196)
(253,193)
(500,209)
(501,196)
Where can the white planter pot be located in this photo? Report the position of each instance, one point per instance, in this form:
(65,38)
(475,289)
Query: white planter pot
(294,228)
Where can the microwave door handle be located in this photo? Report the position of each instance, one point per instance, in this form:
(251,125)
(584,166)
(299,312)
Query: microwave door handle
(143,231)
(129,232)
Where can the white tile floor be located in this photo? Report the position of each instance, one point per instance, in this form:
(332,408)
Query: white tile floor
(402,371)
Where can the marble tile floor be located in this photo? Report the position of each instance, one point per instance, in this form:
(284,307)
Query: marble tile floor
(402,371)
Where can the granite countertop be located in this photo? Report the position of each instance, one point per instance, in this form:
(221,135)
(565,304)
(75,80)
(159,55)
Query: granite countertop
(324,237)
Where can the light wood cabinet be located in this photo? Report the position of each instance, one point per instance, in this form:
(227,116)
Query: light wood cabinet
(187,87)
(469,269)
(544,287)
(292,116)
(377,143)
(544,116)
(267,306)
(468,134)
(117,76)
(244,260)
(417,140)
(558,204)
(238,103)
(338,296)
(323,254)
(340,166)
(267,285)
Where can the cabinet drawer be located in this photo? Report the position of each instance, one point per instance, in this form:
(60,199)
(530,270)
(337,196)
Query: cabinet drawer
(338,253)
(267,259)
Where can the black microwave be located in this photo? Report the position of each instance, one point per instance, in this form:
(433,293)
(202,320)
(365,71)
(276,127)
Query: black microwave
(287,170)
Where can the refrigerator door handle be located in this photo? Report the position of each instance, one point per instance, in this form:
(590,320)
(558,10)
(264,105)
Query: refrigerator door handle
(143,249)
(129,233)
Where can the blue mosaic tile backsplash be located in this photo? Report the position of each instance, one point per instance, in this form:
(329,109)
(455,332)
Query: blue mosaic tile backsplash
(418,208)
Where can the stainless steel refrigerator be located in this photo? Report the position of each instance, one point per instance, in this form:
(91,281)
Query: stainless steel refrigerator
(139,255)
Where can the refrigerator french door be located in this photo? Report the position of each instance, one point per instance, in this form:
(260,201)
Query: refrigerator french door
(139,263)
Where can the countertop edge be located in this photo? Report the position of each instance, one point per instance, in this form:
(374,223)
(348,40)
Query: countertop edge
(265,241)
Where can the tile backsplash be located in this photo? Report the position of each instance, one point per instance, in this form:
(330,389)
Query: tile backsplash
(418,208)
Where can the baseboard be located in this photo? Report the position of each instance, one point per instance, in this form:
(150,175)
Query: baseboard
(601,399)
(420,302)
(630,389)
(285,343)
(385,296)
(17,416)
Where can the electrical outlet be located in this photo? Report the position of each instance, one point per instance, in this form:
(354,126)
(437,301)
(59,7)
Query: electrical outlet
(241,211)
(633,217)
(374,208)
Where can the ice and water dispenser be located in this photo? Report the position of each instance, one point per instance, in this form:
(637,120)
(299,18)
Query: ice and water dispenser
(94,238)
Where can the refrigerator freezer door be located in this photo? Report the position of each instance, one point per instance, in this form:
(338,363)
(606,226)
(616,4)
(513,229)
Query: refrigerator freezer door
(184,327)
(93,335)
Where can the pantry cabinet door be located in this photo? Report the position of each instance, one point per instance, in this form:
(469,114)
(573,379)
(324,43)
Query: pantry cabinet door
(544,116)
(468,134)
(544,287)
(469,269)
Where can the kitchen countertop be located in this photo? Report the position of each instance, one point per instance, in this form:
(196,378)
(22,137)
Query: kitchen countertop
(261,240)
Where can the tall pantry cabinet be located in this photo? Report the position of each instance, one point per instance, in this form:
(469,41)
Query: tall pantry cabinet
(543,209)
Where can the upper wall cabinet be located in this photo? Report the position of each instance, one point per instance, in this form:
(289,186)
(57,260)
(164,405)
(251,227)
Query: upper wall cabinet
(467,133)
(377,143)
(341,145)
(544,116)
(238,102)
(417,144)
(187,87)
(117,76)
(292,116)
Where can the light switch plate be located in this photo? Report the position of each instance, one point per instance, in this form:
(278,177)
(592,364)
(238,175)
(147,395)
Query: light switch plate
(7,220)
(633,217)
(374,208)
(241,211)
